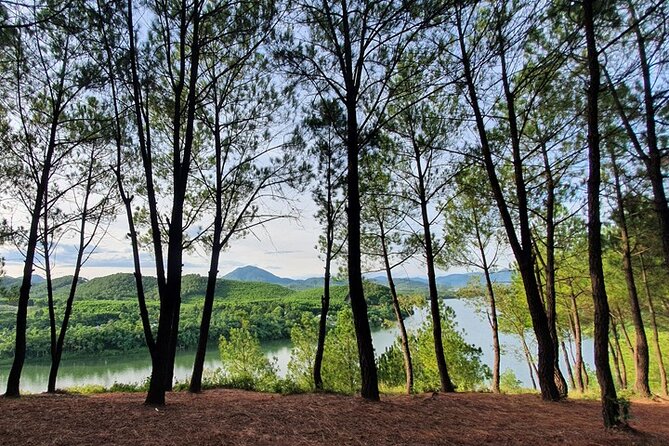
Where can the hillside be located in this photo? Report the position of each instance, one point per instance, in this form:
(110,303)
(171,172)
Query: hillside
(403,284)
(255,274)
(105,316)
(445,283)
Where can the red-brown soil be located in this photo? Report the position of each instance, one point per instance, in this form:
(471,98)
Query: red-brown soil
(232,417)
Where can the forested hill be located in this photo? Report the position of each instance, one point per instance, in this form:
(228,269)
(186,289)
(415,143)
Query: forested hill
(106,314)
(255,274)
(404,284)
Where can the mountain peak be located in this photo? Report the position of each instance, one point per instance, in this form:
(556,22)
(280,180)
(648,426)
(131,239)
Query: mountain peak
(251,273)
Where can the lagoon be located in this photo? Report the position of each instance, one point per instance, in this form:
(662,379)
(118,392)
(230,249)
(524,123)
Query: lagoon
(136,367)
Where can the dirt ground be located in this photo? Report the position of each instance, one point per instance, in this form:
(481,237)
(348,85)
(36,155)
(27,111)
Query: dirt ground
(232,417)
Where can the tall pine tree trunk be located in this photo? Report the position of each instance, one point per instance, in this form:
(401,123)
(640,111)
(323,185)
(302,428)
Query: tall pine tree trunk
(609,398)
(641,386)
(492,305)
(14,378)
(566,361)
(579,367)
(446,385)
(369,378)
(58,351)
(550,303)
(323,319)
(656,337)
(404,337)
(522,248)
(195,385)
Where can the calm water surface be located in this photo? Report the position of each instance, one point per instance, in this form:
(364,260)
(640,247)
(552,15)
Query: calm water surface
(136,367)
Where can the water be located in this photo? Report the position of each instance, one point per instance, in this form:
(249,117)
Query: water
(136,367)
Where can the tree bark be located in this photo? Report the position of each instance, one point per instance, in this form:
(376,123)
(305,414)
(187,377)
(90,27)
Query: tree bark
(530,362)
(325,308)
(653,160)
(620,361)
(446,385)
(616,364)
(369,380)
(566,361)
(610,406)
(653,324)
(125,199)
(641,362)
(550,301)
(325,298)
(170,297)
(578,343)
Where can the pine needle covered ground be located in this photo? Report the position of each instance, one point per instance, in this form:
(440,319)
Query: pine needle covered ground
(233,417)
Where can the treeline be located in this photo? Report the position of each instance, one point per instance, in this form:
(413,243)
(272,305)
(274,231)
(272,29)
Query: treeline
(107,320)
(429,130)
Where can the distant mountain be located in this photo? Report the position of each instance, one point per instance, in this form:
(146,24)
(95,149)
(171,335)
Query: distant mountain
(403,284)
(8,281)
(452,281)
(460,280)
(255,274)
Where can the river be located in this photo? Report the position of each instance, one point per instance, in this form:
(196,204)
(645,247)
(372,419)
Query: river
(136,367)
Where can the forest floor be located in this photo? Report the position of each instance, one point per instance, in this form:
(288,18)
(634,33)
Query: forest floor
(234,417)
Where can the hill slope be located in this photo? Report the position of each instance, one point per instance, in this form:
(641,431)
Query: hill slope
(255,274)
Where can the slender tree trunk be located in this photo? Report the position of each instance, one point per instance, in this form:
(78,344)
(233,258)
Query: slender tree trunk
(325,298)
(550,300)
(127,202)
(53,334)
(610,407)
(616,365)
(578,343)
(325,308)
(654,159)
(586,377)
(623,328)
(404,337)
(58,352)
(566,361)
(195,385)
(492,306)
(656,337)
(14,378)
(620,362)
(369,379)
(521,248)
(170,306)
(530,362)
(445,379)
(641,362)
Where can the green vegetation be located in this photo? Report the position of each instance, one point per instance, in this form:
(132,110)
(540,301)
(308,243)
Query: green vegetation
(464,360)
(341,371)
(106,313)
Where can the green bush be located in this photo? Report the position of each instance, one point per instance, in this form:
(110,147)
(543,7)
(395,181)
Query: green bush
(340,370)
(509,382)
(465,367)
(245,366)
